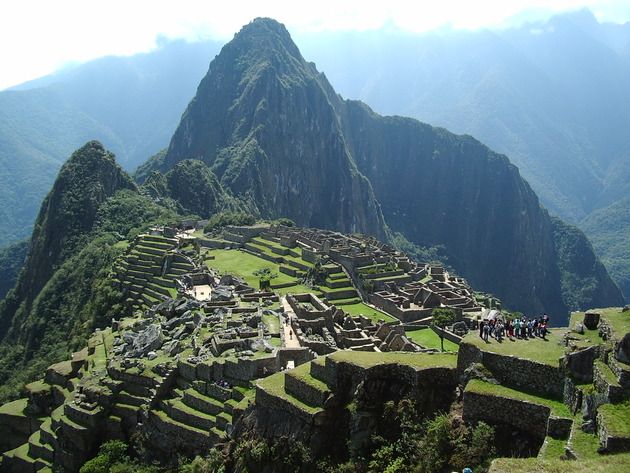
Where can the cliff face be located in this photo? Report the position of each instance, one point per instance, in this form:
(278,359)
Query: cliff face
(282,143)
(438,188)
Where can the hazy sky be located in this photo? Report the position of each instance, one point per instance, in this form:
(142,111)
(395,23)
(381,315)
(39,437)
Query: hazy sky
(39,36)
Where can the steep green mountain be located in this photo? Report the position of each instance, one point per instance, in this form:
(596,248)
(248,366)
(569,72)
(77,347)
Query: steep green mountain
(280,140)
(131,103)
(69,212)
(267,134)
(12,259)
(63,291)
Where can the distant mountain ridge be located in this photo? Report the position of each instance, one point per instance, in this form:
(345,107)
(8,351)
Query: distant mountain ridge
(283,144)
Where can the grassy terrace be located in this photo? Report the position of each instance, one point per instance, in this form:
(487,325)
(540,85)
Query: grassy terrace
(272,322)
(617,418)
(303,373)
(589,337)
(14,408)
(584,445)
(618,320)
(241,264)
(535,349)
(428,338)
(274,385)
(604,464)
(370,312)
(367,359)
(481,387)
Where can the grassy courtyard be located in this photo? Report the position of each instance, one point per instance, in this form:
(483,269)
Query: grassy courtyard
(428,338)
(547,351)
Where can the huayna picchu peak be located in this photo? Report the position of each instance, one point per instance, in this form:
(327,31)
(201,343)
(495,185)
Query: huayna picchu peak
(298,283)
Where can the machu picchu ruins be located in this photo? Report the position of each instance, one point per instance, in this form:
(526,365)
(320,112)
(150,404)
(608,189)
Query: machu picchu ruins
(205,356)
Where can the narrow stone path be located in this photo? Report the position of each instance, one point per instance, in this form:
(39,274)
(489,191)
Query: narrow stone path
(290,339)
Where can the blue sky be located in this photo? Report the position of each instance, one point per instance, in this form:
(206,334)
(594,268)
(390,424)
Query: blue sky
(40,36)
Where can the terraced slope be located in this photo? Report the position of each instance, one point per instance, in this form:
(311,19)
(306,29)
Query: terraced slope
(149,269)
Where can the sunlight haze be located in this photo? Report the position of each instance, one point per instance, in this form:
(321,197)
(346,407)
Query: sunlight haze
(39,37)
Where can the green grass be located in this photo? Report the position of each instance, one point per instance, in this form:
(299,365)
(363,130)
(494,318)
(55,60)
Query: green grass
(428,338)
(274,384)
(303,373)
(241,264)
(298,289)
(38,386)
(554,449)
(482,387)
(607,373)
(367,359)
(618,320)
(297,259)
(123,245)
(369,312)
(535,349)
(616,418)
(15,408)
(272,323)
(584,445)
(589,337)
(606,464)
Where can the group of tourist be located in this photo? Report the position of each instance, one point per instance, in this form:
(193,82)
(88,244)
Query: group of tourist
(522,328)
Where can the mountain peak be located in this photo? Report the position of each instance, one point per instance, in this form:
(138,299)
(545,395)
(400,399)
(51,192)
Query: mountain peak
(266,41)
(86,180)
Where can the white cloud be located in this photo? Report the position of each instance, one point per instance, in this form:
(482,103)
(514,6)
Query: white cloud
(39,36)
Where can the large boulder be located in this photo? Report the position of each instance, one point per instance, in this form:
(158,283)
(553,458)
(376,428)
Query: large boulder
(221,294)
(150,339)
(580,363)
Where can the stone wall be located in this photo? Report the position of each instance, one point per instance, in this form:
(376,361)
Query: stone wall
(450,336)
(278,403)
(246,369)
(248,232)
(513,371)
(605,382)
(526,416)
(297,355)
(346,376)
(304,391)
(611,442)
(559,427)
(404,315)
